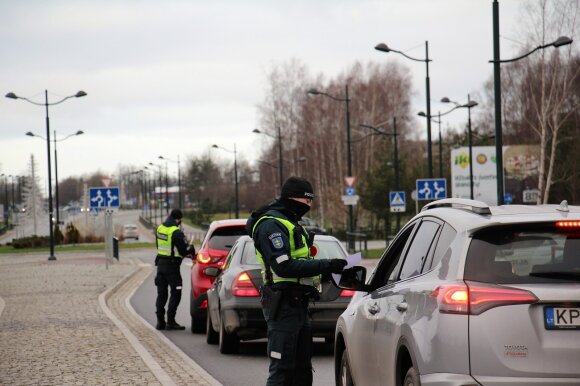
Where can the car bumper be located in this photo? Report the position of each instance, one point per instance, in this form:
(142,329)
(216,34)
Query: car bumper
(246,323)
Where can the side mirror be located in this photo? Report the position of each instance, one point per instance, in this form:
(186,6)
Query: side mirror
(354,278)
(212,271)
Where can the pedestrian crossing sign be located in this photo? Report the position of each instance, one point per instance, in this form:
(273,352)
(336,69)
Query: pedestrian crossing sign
(397,201)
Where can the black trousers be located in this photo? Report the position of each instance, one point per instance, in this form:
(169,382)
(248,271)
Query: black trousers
(289,345)
(168,276)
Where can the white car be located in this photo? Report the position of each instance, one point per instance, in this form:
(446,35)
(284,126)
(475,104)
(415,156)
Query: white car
(130,231)
(468,294)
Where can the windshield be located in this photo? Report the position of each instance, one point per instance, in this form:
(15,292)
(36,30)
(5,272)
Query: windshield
(524,254)
(327,249)
(225,237)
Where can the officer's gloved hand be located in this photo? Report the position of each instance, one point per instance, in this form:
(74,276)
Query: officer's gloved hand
(190,251)
(337,265)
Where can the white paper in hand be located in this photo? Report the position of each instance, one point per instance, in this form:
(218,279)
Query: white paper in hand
(351,261)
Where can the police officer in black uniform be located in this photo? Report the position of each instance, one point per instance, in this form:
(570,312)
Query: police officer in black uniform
(291,277)
(172,247)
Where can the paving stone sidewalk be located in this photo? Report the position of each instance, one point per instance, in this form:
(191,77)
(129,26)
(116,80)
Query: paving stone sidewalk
(65,322)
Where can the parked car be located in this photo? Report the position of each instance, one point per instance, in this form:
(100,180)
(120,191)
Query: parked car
(311,225)
(130,231)
(235,312)
(468,294)
(219,239)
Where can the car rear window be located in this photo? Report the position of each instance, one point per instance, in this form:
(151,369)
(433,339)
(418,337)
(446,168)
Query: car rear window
(326,249)
(224,238)
(524,254)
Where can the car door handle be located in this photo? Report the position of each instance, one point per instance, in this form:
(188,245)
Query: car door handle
(374,308)
(402,307)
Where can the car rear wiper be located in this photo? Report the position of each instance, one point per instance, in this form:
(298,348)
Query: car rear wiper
(564,275)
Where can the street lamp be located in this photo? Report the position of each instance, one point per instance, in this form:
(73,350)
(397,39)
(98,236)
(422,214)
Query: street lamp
(178,177)
(5,198)
(54,140)
(561,41)
(314,91)
(237,201)
(469,105)
(280,162)
(394,134)
(79,94)
(384,48)
(158,209)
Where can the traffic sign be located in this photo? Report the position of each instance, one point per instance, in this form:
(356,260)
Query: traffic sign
(397,201)
(508,198)
(349,180)
(104,197)
(349,191)
(530,196)
(431,188)
(350,200)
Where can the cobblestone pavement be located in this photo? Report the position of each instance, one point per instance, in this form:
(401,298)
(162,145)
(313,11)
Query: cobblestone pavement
(69,322)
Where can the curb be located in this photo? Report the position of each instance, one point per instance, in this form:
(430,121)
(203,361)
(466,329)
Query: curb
(151,363)
(204,374)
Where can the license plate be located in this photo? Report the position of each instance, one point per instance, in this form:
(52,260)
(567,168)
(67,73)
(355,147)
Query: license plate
(562,318)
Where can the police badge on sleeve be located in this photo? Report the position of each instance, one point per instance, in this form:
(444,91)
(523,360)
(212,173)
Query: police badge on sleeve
(277,241)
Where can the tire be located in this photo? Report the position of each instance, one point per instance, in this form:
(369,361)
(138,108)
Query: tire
(412,378)
(228,343)
(211,335)
(198,325)
(344,374)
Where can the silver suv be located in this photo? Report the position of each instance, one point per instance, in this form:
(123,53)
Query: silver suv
(468,294)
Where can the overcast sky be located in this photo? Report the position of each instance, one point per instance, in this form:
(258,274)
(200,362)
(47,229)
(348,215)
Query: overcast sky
(174,77)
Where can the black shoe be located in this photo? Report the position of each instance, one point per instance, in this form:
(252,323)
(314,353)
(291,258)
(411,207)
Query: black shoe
(172,325)
(160,325)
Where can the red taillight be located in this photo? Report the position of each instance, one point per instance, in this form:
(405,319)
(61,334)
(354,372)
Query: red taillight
(568,224)
(476,298)
(243,286)
(204,259)
(347,293)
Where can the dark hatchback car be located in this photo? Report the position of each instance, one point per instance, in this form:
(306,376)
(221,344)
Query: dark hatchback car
(234,306)
(218,241)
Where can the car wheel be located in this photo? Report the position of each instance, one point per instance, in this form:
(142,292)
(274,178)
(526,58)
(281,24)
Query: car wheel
(198,325)
(228,343)
(344,375)
(211,335)
(412,378)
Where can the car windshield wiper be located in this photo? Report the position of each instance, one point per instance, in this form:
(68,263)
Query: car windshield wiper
(564,275)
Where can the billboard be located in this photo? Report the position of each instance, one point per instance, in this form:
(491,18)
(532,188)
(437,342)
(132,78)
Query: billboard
(521,166)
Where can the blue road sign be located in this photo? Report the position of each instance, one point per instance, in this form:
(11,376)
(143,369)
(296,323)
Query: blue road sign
(104,197)
(508,198)
(431,188)
(349,191)
(397,201)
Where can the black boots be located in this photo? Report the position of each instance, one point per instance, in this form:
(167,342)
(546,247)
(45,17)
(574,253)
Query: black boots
(160,324)
(173,325)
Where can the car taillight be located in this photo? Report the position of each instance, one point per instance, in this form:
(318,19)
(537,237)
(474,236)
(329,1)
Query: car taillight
(243,286)
(347,293)
(568,224)
(204,259)
(476,298)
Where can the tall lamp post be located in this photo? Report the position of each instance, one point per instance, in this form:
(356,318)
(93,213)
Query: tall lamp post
(561,41)
(178,177)
(158,209)
(346,100)
(384,48)
(237,200)
(5,198)
(280,162)
(469,105)
(54,140)
(79,94)
(394,134)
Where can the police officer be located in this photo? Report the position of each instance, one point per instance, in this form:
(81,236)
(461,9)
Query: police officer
(291,278)
(172,247)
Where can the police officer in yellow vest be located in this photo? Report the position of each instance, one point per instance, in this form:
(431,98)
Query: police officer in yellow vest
(291,278)
(172,247)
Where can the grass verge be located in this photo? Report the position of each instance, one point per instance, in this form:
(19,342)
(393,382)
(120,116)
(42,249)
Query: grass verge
(79,247)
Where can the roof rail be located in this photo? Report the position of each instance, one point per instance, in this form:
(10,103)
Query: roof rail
(478,207)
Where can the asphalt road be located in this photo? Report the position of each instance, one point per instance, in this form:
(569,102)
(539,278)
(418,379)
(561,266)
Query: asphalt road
(248,367)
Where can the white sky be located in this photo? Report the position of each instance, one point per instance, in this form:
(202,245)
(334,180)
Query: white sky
(174,77)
